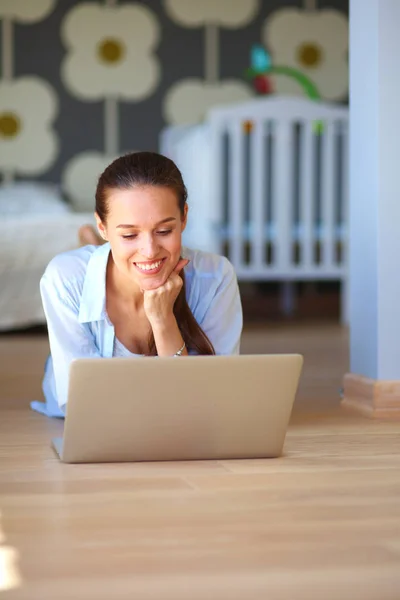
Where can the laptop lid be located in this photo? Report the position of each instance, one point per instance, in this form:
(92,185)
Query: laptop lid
(202,407)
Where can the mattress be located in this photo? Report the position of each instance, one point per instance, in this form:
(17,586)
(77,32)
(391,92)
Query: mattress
(27,244)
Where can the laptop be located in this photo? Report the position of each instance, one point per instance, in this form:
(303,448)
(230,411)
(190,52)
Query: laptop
(175,409)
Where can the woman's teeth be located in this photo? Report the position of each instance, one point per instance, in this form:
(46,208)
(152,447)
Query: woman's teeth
(149,267)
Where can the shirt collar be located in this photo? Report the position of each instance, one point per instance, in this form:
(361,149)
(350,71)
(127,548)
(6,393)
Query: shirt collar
(93,301)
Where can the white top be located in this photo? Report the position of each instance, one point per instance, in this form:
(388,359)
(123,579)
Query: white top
(120,350)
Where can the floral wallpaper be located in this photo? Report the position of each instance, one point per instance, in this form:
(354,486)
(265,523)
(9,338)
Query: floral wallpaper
(84,81)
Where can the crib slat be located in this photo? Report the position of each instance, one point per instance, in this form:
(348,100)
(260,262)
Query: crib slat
(328,196)
(344,222)
(258,176)
(345,191)
(307,177)
(282,183)
(215,185)
(236,191)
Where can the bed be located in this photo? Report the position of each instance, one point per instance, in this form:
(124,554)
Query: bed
(35,225)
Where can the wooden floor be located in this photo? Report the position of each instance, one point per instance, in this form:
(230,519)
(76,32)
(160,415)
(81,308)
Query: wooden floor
(322,522)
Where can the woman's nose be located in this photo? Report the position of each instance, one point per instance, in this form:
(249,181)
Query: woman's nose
(150,247)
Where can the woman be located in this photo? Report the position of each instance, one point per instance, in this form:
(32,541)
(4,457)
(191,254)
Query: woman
(140,293)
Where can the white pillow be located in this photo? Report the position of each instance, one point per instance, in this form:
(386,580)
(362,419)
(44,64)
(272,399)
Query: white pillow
(30,197)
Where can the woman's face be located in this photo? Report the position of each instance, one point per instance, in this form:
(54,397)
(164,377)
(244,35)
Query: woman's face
(144,227)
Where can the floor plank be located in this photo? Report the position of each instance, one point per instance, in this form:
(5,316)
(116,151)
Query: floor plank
(323,521)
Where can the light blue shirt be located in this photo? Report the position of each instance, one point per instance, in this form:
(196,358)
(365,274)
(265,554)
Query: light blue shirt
(73,290)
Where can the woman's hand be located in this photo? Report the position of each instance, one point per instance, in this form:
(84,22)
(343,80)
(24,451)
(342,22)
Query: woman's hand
(159,303)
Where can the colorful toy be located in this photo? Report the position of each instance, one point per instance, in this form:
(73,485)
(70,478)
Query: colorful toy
(261,67)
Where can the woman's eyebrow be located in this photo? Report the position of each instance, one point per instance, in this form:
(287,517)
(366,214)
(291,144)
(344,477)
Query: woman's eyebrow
(124,226)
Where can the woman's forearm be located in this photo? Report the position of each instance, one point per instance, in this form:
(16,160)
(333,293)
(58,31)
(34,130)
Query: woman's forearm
(168,338)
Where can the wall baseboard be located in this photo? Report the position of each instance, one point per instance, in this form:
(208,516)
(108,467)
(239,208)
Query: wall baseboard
(372,398)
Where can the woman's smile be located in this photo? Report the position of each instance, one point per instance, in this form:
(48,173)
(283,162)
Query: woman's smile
(150,267)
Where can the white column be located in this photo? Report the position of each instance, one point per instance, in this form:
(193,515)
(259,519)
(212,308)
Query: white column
(375,188)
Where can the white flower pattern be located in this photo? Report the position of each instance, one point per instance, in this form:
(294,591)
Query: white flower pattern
(188,101)
(80,178)
(28,143)
(26,11)
(315,43)
(226,13)
(110,52)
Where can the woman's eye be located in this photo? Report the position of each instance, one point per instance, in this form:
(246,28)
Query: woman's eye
(131,236)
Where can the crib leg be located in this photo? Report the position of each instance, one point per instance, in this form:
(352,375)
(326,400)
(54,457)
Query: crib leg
(288,298)
(344,303)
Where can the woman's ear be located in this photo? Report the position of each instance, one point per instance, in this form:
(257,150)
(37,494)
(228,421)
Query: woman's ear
(100,227)
(184,218)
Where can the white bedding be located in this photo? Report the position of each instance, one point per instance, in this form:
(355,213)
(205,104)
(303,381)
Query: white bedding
(32,232)
(27,244)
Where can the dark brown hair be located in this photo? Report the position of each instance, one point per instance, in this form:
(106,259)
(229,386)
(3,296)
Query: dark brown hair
(145,169)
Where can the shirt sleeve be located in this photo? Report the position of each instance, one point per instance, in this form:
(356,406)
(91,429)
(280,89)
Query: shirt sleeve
(223,319)
(69,339)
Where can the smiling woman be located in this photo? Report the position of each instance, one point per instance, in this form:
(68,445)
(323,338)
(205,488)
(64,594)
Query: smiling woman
(140,292)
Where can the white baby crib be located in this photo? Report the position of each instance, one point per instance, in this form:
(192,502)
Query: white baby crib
(267,186)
